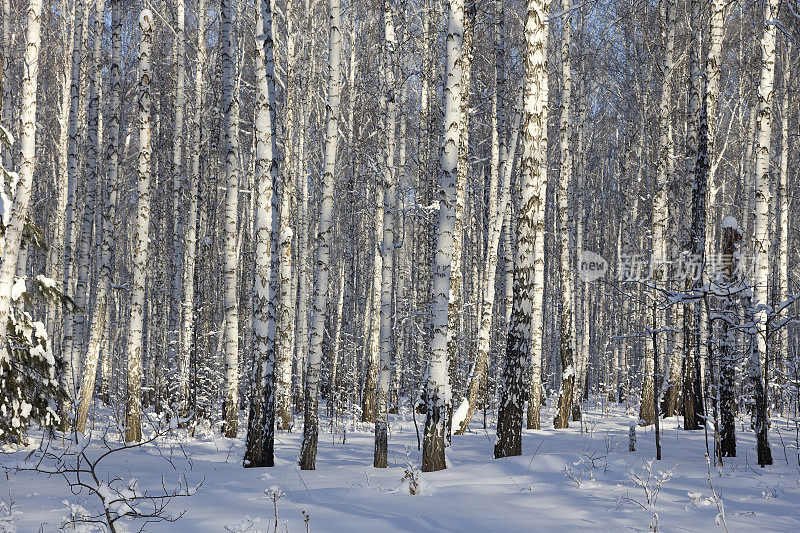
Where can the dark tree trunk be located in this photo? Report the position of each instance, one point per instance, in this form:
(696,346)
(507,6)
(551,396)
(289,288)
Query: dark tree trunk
(433,441)
(509,417)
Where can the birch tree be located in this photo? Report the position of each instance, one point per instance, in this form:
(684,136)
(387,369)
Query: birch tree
(387,247)
(133,402)
(783,195)
(90,189)
(372,319)
(659,205)
(708,162)
(286,318)
(230,108)
(100,313)
(502,162)
(438,388)
(303,241)
(533,182)
(173,338)
(731,282)
(402,326)
(567,341)
(580,220)
(5,152)
(301,346)
(261,426)
(695,148)
(56,257)
(536,126)
(19,209)
(190,250)
(67,377)
(580,287)
(664,172)
(455,310)
(27,367)
(758,355)
(308,451)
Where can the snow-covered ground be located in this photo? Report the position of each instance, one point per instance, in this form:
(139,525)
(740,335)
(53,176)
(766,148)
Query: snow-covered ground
(566,480)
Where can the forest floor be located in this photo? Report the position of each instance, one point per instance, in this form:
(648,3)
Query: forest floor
(581,478)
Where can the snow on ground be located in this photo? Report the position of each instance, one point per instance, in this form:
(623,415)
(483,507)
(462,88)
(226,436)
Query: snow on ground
(566,480)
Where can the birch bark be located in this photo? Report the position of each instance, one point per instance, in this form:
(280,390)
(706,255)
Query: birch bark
(565,215)
(697,162)
(438,390)
(535,126)
(731,282)
(56,259)
(190,250)
(286,318)
(783,197)
(530,232)
(760,302)
(90,189)
(659,207)
(67,376)
(387,247)
(6,78)
(100,313)
(502,163)
(27,141)
(174,326)
(230,108)
(308,451)
(454,308)
(133,404)
(261,426)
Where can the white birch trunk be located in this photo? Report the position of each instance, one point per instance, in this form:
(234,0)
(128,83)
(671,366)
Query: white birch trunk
(302,272)
(22,196)
(230,108)
(261,426)
(712,89)
(56,259)
(697,171)
(100,312)
(71,369)
(133,404)
(285,331)
(387,247)
(308,451)
(536,127)
(6,80)
(466,409)
(90,191)
(761,229)
(567,340)
(783,198)
(454,308)
(286,316)
(748,172)
(523,334)
(581,304)
(190,250)
(501,165)
(660,215)
(438,393)
(508,267)
(335,392)
(112,183)
(374,326)
(174,326)
(731,281)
